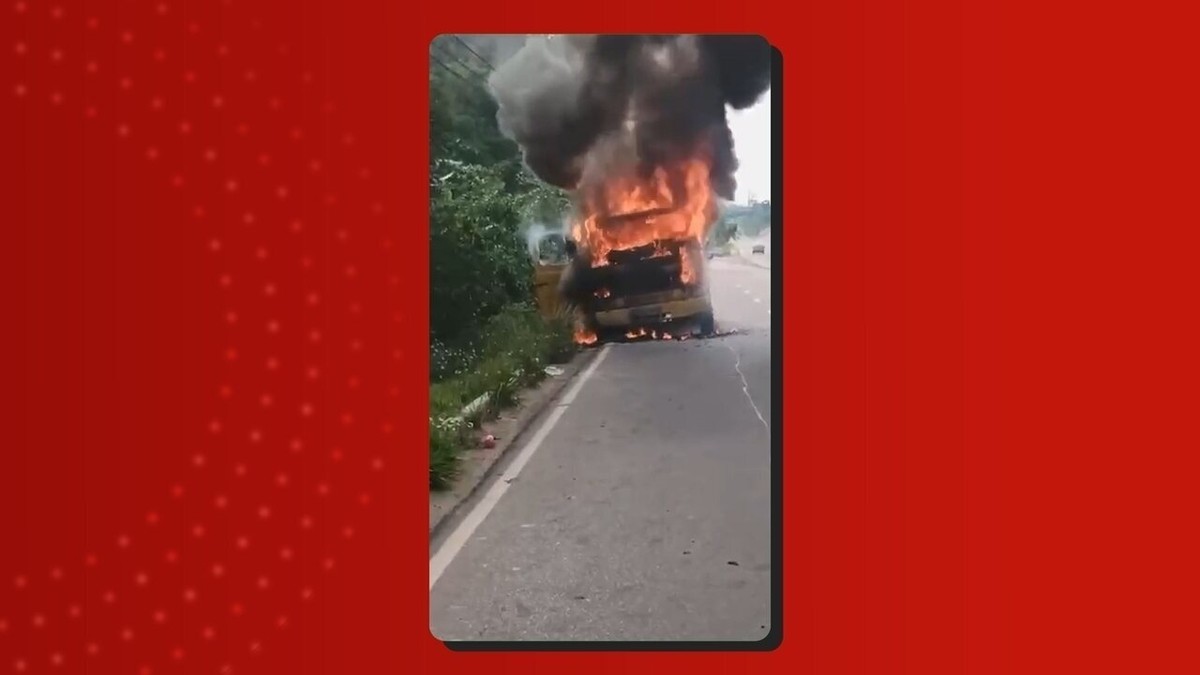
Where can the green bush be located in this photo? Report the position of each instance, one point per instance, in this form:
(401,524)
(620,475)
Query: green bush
(561,338)
(478,264)
(446,438)
(519,333)
(514,348)
(447,398)
(451,361)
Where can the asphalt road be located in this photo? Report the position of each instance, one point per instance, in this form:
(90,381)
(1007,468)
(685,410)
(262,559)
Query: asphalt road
(643,513)
(745,247)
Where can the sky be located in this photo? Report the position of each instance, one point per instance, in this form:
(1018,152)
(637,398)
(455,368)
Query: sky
(752,144)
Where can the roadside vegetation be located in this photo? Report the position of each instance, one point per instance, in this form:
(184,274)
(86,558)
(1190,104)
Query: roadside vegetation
(487,339)
(743,220)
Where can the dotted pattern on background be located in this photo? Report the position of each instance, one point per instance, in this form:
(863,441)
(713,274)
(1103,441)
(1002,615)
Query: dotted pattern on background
(234,555)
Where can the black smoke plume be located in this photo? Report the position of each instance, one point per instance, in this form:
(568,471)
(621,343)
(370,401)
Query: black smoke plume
(566,101)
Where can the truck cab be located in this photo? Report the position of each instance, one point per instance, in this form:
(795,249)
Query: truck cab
(552,256)
(660,286)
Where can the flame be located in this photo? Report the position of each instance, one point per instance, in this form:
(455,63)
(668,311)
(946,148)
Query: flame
(636,333)
(681,201)
(687,266)
(584,336)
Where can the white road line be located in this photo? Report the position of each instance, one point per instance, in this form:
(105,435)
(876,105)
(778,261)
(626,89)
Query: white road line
(458,538)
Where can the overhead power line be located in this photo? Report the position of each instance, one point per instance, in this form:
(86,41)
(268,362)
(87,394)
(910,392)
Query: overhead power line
(448,69)
(468,48)
(449,55)
(466,66)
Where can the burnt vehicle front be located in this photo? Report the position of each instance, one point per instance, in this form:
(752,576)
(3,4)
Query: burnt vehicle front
(657,288)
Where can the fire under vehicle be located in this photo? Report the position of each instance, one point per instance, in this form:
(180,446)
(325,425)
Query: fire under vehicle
(659,287)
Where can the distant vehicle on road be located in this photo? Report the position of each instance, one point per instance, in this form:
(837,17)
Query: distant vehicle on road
(758,248)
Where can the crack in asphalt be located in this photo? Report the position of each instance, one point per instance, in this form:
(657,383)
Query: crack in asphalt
(737,365)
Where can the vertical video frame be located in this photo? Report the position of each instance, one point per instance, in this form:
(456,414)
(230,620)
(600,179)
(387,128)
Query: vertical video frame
(601,433)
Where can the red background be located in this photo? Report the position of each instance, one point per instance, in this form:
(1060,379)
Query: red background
(213,286)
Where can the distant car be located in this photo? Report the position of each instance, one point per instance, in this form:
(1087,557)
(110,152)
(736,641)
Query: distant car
(758,248)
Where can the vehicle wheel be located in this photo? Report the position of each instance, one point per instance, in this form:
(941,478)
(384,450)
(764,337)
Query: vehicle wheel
(707,324)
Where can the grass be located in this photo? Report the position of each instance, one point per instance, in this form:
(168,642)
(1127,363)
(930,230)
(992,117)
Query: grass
(511,354)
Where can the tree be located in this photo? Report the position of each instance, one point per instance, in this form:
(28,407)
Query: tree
(752,218)
(478,264)
(481,194)
(724,231)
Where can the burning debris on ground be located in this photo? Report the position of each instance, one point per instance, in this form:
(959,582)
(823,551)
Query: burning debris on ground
(655,335)
(635,127)
(667,336)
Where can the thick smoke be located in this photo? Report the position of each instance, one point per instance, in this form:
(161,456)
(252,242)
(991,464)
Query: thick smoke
(566,99)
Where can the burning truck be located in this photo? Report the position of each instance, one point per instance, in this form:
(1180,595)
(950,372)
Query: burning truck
(635,128)
(637,262)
